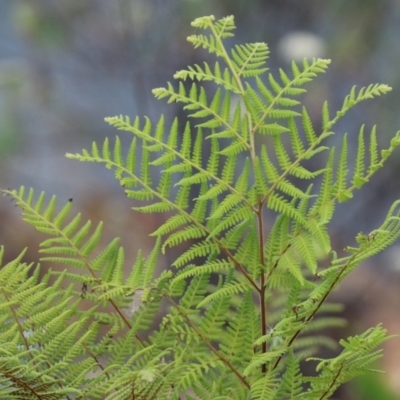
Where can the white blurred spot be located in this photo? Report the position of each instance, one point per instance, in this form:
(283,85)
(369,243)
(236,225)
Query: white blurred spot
(392,256)
(298,45)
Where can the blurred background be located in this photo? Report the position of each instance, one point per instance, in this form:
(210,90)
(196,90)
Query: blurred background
(67,64)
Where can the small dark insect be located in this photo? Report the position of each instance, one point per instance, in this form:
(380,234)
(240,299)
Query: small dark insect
(84,290)
(296,309)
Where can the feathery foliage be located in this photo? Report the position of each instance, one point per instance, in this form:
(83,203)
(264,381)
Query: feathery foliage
(242,304)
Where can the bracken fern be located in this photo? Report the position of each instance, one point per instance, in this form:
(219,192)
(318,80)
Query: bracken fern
(243,302)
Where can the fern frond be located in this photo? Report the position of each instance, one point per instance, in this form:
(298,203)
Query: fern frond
(373,151)
(238,343)
(304,245)
(341,180)
(221,29)
(228,290)
(235,216)
(365,93)
(324,206)
(249,60)
(196,250)
(216,75)
(244,299)
(288,87)
(265,387)
(207,268)
(359,179)
(308,128)
(188,233)
(292,381)
(358,353)
(195,292)
(281,205)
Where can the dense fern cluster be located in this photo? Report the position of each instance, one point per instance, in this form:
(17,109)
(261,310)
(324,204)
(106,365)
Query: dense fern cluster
(242,301)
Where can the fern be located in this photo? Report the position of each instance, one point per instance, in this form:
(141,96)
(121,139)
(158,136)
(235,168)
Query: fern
(238,312)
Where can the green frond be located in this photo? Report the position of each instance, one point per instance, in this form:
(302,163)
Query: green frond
(150,265)
(277,239)
(216,75)
(38,356)
(373,151)
(196,250)
(283,114)
(228,171)
(233,236)
(226,205)
(186,142)
(207,268)
(289,262)
(172,223)
(254,103)
(309,71)
(289,188)
(213,192)
(269,168)
(319,233)
(247,253)
(191,373)
(250,59)
(234,149)
(235,216)
(304,245)
(324,206)
(188,233)
(91,242)
(199,211)
(134,277)
(326,123)
(160,207)
(264,388)
(295,139)
(238,312)
(281,205)
(199,177)
(365,93)
(213,161)
(145,174)
(215,318)
(182,197)
(358,353)
(308,128)
(272,129)
(222,26)
(302,173)
(359,179)
(261,359)
(341,180)
(243,180)
(195,292)
(228,290)
(265,92)
(238,343)
(281,153)
(197,149)
(117,277)
(220,29)
(143,317)
(292,381)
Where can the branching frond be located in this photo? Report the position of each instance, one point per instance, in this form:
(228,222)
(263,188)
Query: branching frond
(240,309)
